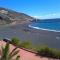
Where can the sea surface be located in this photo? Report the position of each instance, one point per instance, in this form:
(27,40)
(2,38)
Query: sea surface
(49,25)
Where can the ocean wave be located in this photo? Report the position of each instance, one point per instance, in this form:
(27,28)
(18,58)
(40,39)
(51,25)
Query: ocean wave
(43,28)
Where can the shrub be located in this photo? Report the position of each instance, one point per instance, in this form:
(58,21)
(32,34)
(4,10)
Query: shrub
(41,50)
(48,52)
(15,41)
(25,44)
(57,54)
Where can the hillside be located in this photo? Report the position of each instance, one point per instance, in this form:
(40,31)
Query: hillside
(8,16)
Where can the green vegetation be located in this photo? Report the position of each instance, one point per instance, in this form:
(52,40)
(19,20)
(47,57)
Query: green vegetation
(17,58)
(7,55)
(15,41)
(25,44)
(41,50)
(48,52)
(44,50)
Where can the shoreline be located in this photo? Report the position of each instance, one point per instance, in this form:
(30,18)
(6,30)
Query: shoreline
(44,37)
(43,29)
(36,36)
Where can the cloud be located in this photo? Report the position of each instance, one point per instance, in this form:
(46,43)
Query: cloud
(48,16)
(37,16)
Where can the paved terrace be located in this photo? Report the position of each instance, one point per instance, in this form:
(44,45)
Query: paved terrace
(25,55)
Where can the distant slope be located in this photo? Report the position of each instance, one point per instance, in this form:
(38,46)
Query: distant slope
(46,20)
(8,16)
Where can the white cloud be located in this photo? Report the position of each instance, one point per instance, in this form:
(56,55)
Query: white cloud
(37,16)
(48,16)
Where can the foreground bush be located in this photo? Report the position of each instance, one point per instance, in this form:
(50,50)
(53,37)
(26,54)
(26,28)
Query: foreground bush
(41,50)
(25,44)
(15,41)
(48,52)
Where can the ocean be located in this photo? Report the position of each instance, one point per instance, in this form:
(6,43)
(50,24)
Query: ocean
(50,25)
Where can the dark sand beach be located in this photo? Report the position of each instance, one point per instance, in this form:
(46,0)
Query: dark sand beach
(52,39)
(37,37)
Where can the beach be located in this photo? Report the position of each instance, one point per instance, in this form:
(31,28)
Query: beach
(37,37)
(44,37)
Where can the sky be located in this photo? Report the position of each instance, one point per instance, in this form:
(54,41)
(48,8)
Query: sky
(37,8)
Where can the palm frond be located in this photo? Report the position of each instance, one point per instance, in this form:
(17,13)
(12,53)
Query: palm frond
(13,54)
(8,56)
(5,52)
(13,51)
(18,57)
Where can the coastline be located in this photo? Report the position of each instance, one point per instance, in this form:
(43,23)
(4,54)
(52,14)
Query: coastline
(43,37)
(42,29)
(36,36)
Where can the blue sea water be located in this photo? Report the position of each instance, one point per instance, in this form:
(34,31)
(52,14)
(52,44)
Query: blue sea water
(49,25)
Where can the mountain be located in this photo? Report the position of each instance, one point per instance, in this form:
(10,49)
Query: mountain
(46,20)
(8,16)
